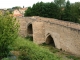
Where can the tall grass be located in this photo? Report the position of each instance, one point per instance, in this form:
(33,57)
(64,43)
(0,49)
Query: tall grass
(30,51)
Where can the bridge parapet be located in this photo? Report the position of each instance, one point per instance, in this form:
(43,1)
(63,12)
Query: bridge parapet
(59,22)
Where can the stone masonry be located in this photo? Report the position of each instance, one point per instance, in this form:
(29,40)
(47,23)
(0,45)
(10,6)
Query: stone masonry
(66,35)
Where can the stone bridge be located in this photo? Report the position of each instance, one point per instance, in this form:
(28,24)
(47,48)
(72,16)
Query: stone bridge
(61,34)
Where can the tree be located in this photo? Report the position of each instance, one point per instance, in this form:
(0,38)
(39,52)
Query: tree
(16,7)
(60,3)
(28,12)
(69,14)
(76,9)
(67,10)
(38,9)
(8,33)
(50,10)
(53,10)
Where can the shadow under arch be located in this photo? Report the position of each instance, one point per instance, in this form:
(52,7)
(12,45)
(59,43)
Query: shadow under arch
(29,29)
(50,40)
(29,32)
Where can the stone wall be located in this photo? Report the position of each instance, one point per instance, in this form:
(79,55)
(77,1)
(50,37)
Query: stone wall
(66,35)
(38,32)
(67,39)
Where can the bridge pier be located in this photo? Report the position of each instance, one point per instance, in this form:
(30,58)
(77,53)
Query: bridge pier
(38,32)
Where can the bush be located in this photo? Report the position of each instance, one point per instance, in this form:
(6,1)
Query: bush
(8,33)
(5,59)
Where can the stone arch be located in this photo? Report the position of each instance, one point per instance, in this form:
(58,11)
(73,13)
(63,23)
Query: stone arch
(29,29)
(50,40)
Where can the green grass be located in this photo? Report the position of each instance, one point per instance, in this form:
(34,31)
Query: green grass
(60,53)
(30,51)
(50,47)
(73,57)
(25,49)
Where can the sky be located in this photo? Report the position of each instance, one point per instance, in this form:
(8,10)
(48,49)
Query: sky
(25,3)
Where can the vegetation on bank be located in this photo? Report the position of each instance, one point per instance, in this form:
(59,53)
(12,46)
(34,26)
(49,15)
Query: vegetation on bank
(30,51)
(62,54)
(8,33)
(25,49)
(13,47)
(59,9)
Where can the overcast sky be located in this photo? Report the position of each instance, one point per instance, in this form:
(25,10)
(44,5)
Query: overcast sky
(26,3)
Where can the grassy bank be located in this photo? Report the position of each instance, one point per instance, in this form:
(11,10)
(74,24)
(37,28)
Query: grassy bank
(24,49)
(60,53)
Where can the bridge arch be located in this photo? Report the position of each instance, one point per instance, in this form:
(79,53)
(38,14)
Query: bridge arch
(29,29)
(50,40)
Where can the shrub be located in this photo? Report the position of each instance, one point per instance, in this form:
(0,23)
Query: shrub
(8,33)
(5,59)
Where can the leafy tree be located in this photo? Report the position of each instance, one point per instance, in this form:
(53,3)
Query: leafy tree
(60,3)
(16,7)
(43,9)
(10,10)
(28,12)
(38,9)
(58,9)
(53,10)
(69,14)
(67,11)
(8,33)
(76,9)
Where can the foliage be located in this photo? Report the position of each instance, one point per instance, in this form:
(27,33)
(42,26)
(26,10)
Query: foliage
(5,59)
(43,9)
(67,11)
(29,38)
(76,9)
(69,14)
(28,12)
(10,10)
(61,6)
(58,9)
(73,57)
(16,7)
(8,33)
(30,51)
(60,3)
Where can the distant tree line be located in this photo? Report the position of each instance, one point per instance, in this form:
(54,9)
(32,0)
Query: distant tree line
(16,7)
(58,9)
